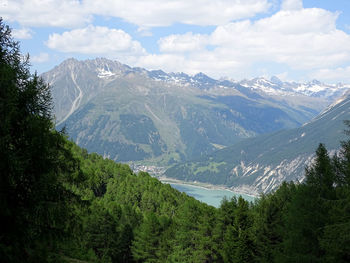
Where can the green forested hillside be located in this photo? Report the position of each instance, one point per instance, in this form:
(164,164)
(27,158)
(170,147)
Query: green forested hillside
(61,204)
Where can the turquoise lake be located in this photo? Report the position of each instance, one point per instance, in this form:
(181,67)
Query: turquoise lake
(209,196)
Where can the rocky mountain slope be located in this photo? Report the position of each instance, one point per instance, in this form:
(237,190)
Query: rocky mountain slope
(131,114)
(261,164)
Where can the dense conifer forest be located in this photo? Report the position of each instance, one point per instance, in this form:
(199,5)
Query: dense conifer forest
(61,204)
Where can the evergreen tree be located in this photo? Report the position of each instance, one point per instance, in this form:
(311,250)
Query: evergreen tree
(102,233)
(146,243)
(237,221)
(225,230)
(187,236)
(35,162)
(335,240)
(309,211)
(269,222)
(244,248)
(320,176)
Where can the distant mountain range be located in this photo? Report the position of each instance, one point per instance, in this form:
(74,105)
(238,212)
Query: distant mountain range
(152,117)
(261,164)
(314,88)
(274,86)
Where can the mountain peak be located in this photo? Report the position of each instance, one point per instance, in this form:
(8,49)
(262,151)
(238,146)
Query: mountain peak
(200,74)
(69,62)
(204,78)
(276,80)
(316,82)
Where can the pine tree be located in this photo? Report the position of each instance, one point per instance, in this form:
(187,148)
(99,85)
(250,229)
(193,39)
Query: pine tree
(238,244)
(35,162)
(335,240)
(102,233)
(146,243)
(269,223)
(309,211)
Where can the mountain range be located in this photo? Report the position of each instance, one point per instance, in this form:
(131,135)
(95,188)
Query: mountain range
(262,163)
(156,118)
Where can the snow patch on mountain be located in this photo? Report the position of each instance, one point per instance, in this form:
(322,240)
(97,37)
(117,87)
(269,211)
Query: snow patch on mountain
(102,73)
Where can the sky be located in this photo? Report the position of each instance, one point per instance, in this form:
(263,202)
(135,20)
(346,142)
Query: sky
(294,40)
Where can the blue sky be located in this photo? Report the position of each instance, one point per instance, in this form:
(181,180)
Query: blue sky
(292,39)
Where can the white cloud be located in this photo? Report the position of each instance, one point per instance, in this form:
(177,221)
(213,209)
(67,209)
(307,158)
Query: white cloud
(283,76)
(182,43)
(42,57)
(150,13)
(305,39)
(292,4)
(145,31)
(97,41)
(298,22)
(332,74)
(166,12)
(153,13)
(42,13)
(23,33)
(298,39)
(167,62)
(204,62)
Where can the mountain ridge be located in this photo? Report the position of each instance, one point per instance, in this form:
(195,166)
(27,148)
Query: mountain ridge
(274,85)
(262,163)
(176,116)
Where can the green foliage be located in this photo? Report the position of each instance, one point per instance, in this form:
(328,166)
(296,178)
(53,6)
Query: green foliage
(35,162)
(269,224)
(147,239)
(60,203)
(193,237)
(236,231)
